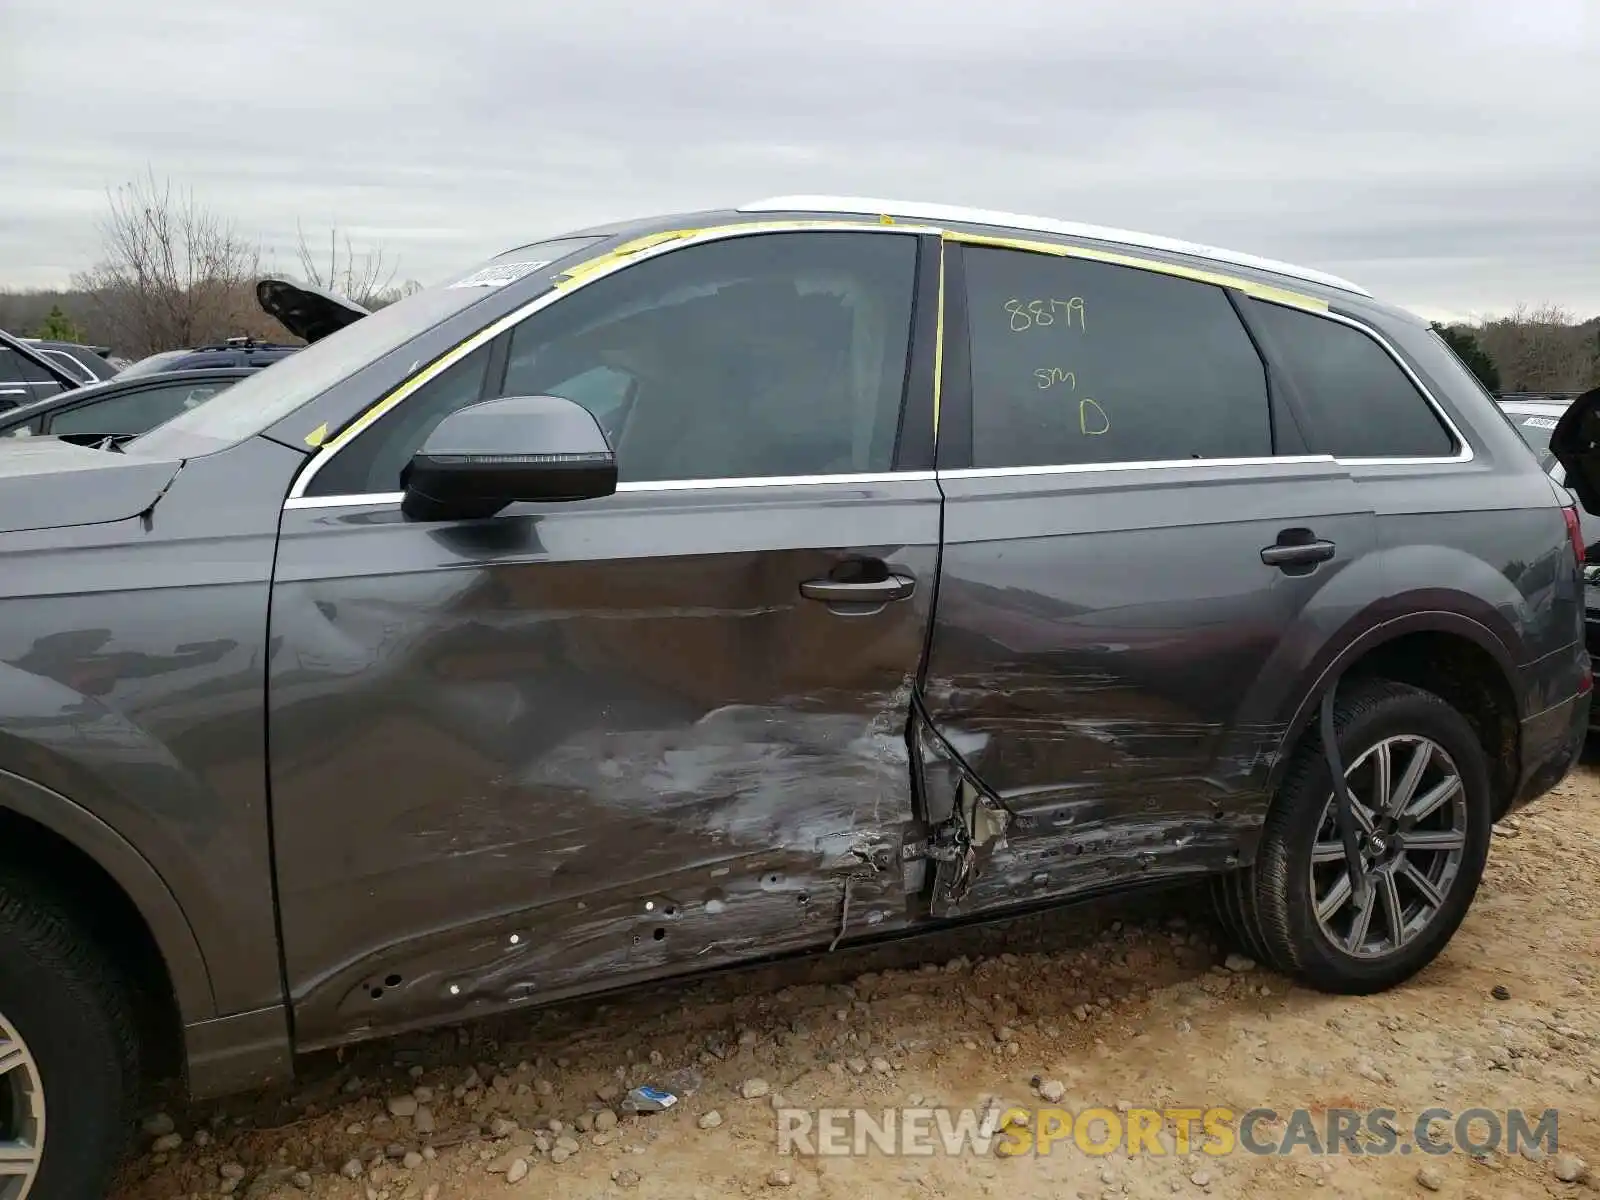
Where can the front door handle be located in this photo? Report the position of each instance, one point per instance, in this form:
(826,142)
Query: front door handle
(870,591)
(1304,554)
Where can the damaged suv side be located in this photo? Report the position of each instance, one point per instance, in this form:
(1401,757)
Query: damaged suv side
(702,589)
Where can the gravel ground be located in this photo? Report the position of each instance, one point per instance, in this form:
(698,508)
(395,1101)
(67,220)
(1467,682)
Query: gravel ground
(1127,1005)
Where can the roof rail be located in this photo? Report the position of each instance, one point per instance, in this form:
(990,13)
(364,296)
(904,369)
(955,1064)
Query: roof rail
(956,214)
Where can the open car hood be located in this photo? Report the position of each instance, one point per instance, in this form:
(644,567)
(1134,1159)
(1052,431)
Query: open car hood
(307,311)
(1576,445)
(46,483)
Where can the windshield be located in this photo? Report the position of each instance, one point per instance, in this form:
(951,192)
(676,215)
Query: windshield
(268,396)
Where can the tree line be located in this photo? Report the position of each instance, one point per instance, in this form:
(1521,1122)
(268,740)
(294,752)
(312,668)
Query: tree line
(173,273)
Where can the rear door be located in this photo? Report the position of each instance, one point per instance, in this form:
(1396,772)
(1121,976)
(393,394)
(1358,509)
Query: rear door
(579,744)
(1133,538)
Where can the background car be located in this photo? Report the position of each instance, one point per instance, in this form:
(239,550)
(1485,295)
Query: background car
(1535,418)
(87,364)
(235,352)
(118,409)
(27,375)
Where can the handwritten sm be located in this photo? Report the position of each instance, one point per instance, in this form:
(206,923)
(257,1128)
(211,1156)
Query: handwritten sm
(1025,314)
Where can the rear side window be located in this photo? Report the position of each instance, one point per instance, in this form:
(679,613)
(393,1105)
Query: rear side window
(70,365)
(1360,403)
(1076,362)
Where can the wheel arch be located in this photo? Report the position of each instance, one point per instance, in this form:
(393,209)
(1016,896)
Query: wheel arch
(123,900)
(1450,654)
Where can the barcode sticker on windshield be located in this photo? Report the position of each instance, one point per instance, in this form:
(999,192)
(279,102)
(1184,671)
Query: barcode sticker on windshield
(1540,422)
(500,274)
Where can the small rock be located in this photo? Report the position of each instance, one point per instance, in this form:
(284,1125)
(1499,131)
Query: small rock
(301,1180)
(1430,1177)
(402,1106)
(231,1171)
(432,1193)
(1200,1178)
(517,1171)
(560,1155)
(780,1178)
(748,1038)
(166,1142)
(1501,992)
(202,1137)
(625,1177)
(544,1087)
(412,1160)
(423,1121)
(605,1120)
(352,1169)
(754,1089)
(1569,1168)
(584,1122)
(711,1120)
(1052,1090)
(502,1127)
(1239,963)
(858,1066)
(158,1125)
(567,1143)
(882,1067)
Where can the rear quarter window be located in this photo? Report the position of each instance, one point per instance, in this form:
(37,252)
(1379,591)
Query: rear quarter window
(1359,401)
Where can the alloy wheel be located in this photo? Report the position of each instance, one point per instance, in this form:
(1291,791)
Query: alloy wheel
(1411,812)
(21,1115)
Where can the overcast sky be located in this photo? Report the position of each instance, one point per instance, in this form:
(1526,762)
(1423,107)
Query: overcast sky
(1443,153)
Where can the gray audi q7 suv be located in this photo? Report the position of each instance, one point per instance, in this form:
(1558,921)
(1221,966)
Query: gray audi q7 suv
(708,588)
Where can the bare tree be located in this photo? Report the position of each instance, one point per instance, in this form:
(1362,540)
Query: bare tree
(172,273)
(1541,349)
(366,278)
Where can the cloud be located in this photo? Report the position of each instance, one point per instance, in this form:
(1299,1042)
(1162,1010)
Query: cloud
(1440,151)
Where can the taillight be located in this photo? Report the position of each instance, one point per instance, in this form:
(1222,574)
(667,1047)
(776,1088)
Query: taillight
(1574,534)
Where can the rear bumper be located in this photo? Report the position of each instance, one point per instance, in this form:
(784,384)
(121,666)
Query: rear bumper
(1551,744)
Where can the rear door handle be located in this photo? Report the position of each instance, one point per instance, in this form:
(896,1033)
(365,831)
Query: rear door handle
(873,591)
(1303,555)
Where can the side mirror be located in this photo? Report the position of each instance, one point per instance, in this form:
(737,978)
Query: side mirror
(487,455)
(1576,445)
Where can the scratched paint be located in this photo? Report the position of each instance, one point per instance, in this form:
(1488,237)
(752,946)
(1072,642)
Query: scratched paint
(610,705)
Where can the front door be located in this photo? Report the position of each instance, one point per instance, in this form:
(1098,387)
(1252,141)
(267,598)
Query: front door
(575,745)
(1133,533)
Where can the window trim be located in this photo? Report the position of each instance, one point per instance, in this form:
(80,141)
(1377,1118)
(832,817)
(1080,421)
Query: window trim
(580,276)
(1463,453)
(611,262)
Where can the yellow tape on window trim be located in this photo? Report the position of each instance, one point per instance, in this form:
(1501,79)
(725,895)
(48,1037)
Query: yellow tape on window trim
(1249,287)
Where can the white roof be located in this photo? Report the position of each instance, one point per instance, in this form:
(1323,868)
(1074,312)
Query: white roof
(956,214)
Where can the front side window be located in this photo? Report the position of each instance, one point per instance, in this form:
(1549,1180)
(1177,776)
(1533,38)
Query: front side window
(1359,402)
(133,413)
(776,354)
(1075,362)
(15,368)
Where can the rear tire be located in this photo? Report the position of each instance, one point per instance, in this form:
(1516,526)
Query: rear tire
(1426,839)
(69,1054)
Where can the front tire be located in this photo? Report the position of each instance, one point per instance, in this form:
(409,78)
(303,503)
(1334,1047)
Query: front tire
(68,1052)
(1421,782)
